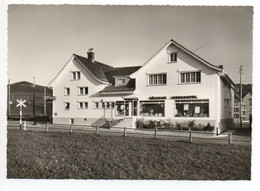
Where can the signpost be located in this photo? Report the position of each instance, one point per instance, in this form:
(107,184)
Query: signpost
(21,104)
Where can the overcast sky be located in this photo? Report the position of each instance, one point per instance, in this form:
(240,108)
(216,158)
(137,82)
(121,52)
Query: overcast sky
(41,38)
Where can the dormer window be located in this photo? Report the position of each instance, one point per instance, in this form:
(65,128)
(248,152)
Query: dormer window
(172,57)
(120,81)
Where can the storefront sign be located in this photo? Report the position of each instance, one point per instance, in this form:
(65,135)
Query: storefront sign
(158,97)
(184,97)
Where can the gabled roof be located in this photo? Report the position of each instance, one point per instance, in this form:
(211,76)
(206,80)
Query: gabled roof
(97,69)
(218,68)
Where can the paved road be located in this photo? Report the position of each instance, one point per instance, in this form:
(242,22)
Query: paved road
(242,137)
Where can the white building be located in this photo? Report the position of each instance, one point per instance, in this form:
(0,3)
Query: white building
(174,84)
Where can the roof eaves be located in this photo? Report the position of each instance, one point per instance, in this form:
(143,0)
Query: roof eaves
(99,80)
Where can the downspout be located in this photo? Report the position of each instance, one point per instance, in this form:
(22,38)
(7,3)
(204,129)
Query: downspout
(218,105)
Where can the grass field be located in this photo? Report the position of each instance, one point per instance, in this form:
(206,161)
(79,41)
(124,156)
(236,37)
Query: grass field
(86,156)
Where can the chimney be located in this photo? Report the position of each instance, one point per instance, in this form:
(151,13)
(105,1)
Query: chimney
(220,66)
(91,54)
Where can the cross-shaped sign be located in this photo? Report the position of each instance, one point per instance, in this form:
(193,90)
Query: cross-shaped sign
(21,103)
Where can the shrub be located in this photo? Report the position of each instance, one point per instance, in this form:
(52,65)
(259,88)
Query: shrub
(191,125)
(178,126)
(139,123)
(208,127)
(200,127)
(151,124)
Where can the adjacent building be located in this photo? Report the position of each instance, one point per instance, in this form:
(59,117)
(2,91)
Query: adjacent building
(246,106)
(38,100)
(174,84)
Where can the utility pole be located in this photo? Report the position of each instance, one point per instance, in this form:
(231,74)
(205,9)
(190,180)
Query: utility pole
(33,97)
(240,113)
(44,100)
(9,98)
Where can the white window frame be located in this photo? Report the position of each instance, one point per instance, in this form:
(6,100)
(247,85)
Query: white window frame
(84,90)
(189,77)
(120,84)
(75,75)
(67,104)
(172,57)
(157,79)
(82,105)
(66,91)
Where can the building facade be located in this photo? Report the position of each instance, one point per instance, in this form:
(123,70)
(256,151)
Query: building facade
(246,105)
(174,84)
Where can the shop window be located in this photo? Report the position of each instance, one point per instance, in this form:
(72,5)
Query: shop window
(120,107)
(152,108)
(196,108)
(190,77)
(157,79)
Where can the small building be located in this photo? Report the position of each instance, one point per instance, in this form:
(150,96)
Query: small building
(37,100)
(246,106)
(174,84)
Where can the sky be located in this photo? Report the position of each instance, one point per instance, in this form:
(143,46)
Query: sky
(42,38)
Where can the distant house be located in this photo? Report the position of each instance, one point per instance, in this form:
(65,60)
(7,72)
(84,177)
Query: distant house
(174,84)
(246,107)
(24,90)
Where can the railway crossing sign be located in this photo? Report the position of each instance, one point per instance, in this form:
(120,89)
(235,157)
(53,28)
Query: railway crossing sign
(21,104)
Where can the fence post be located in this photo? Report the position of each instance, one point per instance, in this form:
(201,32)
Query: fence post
(47,128)
(71,128)
(155,132)
(125,132)
(217,130)
(190,137)
(24,125)
(230,138)
(96,129)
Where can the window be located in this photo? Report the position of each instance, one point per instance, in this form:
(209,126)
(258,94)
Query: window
(67,105)
(236,103)
(67,91)
(243,118)
(236,110)
(173,57)
(193,108)
(75,75)
(120,81)
(96,105)
(83,90)
(120,108)
(157,79)
(83,105)
(243,113)
(243,106)
(190,77)
(236,116)
(152,108)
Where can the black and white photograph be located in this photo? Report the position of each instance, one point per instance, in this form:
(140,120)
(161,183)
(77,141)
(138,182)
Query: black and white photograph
(129,92)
